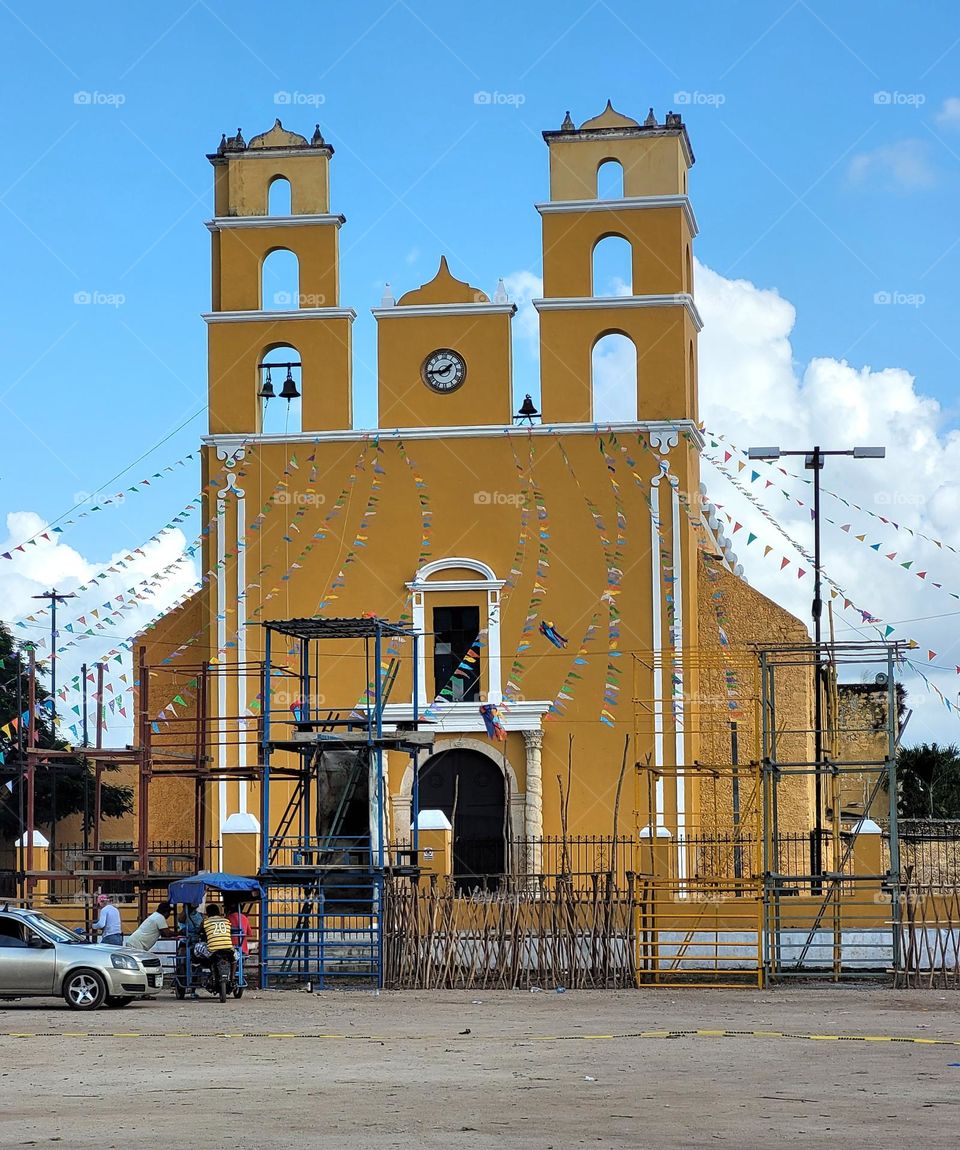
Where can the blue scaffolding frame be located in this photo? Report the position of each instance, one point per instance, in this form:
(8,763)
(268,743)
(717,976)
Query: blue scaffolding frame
(334,877)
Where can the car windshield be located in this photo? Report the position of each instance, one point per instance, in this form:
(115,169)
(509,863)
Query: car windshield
(52,929)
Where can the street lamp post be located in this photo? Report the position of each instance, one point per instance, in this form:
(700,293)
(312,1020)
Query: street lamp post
(813,461)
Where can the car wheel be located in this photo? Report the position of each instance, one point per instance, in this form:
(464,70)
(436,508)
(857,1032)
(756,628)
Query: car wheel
(84,990)
(116,1001)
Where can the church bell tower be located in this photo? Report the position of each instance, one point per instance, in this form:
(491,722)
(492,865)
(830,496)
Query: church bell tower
(653,215)
(245,324)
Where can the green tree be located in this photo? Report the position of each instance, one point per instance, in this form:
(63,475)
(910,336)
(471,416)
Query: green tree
(928,782)
(72,774)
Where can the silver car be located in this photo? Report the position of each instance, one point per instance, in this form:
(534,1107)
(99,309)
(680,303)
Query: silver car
(39,956)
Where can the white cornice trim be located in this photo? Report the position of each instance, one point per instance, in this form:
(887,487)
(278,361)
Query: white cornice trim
(438,309)
(626,204)
(450,717)
(453,562)
(273,316)
(457,585)
(220,223)
(594,303)
(665,431)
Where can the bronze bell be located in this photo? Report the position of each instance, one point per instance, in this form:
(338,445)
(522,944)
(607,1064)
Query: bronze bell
(266,391)
(527,409)
(289,389)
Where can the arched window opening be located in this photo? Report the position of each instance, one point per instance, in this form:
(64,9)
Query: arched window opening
(279,391)
(612,267)
(692,374)
(610,180)
(280,281)
(613,379)
(279,197)
(688,281)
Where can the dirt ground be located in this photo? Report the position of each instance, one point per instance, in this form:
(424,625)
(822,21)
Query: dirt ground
(360,1071)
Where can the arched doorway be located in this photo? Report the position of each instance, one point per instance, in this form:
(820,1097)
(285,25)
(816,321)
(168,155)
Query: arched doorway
(476,783)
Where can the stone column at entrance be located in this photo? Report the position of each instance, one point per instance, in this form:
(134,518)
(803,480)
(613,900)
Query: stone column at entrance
(533,807)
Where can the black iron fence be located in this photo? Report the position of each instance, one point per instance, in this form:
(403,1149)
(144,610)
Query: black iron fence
(931,848)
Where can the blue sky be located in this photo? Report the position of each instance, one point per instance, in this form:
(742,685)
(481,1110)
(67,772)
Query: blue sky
(807,181)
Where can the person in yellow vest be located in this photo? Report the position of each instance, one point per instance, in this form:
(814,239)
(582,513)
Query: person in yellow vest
(217,934)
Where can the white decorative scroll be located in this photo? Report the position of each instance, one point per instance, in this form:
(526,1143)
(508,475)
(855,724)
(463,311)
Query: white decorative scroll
(663,439)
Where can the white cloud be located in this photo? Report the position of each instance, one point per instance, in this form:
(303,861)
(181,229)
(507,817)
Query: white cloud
(752,392)
(159,572)
(949,114)
(523,288)
(904,166)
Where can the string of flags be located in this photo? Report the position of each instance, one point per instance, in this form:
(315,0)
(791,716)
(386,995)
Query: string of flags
(878,547)
(533,501)
(361,536)
(716,440)
(396,642)
(112,500)
(866,617)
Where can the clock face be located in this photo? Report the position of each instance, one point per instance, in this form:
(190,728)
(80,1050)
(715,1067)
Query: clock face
(444,370)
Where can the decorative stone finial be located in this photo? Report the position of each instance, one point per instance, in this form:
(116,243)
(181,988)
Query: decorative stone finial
(500,295)
(223,144)
(567,125)
(387,300)
(239,140)
(674,120)
(651,120)
(317,140)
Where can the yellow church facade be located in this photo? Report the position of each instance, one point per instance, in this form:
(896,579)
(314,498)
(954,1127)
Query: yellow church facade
(559,569)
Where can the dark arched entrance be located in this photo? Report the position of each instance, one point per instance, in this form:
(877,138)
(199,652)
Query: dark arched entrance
(478,823)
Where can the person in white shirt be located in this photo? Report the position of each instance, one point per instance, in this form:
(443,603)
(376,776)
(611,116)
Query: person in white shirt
(152,929)
(108,924)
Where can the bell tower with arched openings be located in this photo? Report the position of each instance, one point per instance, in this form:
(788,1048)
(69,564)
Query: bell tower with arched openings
(616,181)
(276,283)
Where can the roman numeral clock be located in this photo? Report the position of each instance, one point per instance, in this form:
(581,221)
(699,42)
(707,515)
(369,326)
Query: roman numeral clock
(444,370)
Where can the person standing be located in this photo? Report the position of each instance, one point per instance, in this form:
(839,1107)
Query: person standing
(240,927)
(152,929)
(108,924)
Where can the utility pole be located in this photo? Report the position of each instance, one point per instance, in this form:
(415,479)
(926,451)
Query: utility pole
(53,597)
(813,461)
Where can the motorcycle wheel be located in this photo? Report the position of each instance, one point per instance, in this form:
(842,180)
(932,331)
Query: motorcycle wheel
(238,992)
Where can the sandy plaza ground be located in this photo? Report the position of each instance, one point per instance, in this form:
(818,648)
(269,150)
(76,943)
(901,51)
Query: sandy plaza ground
(817,1066)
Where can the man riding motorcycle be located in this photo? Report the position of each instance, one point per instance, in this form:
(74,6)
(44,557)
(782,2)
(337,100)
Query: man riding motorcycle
(217,934)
